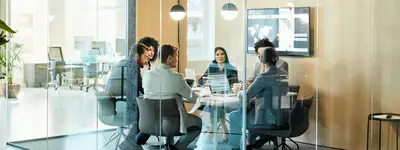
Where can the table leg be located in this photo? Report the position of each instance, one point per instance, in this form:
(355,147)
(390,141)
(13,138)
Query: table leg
(215,127)
(397,136)
(380,134)
(367,133)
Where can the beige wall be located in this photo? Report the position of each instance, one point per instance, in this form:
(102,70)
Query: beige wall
(2,9)
(148,24)
(353,70)
(354,67)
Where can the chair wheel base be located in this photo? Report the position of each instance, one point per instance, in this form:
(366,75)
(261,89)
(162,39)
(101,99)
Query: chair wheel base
(164,147)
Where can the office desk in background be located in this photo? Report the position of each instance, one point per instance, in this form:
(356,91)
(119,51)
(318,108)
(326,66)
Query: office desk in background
(36,74)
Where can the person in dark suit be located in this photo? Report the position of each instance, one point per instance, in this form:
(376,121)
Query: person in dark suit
(262,94)
(259,67)
(130,68)
(153,45)
(220,66)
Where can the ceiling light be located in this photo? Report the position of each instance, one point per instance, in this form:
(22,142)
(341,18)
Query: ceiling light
(229,11)
(177,12)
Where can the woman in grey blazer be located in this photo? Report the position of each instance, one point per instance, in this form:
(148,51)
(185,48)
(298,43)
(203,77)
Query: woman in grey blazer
(262,97)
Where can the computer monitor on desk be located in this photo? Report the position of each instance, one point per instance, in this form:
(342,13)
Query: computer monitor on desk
(55,53)
(89,56)
(120,46)
(100,46)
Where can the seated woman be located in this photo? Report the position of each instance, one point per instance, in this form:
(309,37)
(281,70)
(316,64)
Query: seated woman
(220,66)
(261,97)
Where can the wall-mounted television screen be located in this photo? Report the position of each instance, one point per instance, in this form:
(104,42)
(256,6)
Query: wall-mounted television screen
(287,28)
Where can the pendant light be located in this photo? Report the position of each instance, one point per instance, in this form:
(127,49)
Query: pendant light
(177,12)
(229,11)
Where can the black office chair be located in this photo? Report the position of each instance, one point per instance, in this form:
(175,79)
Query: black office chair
(159,118)
(298,124)
(286,112)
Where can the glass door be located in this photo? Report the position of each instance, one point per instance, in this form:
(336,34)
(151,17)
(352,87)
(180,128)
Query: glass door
(68,49)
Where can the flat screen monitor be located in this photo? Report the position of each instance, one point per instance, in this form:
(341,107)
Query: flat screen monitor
(120,45)
(287,28)
(83,43)
(55,53)
(100,46)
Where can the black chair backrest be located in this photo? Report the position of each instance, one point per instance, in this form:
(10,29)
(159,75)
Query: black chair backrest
(296,89)
(117,83)
(156,114)
(299,117)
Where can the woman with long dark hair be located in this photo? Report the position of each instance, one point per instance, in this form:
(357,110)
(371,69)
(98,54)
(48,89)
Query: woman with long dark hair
(220,66)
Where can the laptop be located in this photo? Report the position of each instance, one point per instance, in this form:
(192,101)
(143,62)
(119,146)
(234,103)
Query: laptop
(190,82)
(219,84)
(190,75)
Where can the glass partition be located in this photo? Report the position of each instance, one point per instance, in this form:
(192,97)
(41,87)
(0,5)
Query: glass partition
(68,49)
(380,75)
(27,52)
(231,74)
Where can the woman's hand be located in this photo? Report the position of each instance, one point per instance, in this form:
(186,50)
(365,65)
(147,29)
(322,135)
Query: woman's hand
(248,83)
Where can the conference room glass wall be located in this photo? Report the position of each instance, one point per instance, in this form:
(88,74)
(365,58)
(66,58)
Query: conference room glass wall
(284,23)
(350,71)
(68,50)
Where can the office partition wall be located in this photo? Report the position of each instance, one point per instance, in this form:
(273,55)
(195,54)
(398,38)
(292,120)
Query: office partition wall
(68,51)
(334,82)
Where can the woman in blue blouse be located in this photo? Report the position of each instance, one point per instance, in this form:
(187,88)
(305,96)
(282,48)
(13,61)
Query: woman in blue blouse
(220,66)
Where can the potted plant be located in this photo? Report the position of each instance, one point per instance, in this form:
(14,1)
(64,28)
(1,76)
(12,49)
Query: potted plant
(14,57)
(5,33)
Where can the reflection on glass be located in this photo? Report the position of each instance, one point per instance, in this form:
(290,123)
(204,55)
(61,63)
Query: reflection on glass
(164,85)
(287,28)
(71,45)
(200,30)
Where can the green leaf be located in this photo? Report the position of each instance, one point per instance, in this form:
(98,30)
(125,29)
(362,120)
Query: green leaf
(3,41)
(5,27)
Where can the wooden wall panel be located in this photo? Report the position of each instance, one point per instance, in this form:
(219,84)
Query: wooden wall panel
(353,70)
(148,24)
(148,18)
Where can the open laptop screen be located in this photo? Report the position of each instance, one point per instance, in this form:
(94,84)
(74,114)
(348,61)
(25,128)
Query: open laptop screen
(219,84)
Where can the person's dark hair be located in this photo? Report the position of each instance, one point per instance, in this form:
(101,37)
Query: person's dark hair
(149,41)
(265,42)
(138,48)
(215,55)
(167,50)
(269,56)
